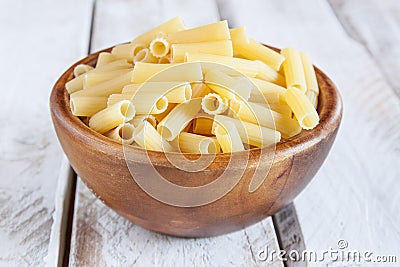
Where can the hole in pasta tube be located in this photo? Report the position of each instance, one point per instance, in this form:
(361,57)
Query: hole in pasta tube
(207,146)
(141,55)
(126,131)
(137,48)
(309,121)
(165,132)
(151,119)
(127,109)
(211,103)
(161,105)
(159,47)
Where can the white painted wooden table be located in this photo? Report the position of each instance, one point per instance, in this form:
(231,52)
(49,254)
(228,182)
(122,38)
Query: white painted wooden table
(355,196)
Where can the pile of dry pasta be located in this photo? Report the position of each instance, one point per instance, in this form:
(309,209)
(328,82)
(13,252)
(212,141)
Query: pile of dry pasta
(208,89)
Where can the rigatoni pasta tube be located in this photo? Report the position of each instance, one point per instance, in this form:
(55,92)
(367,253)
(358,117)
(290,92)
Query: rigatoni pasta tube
(309,73)
(144,102)
(228,137)
(250,133)
(293,69)
(185,72)
(141,118)
(266,73)
(257,114)
(159,47)
(147,137)
(106,88)
(213,104)
(255,51)
(82,69)
(312,96)
(176,92)
(144,55)
(112,116)
(246,67)
(211,32)
(178,118)
(127,51)
(203,124)
(123,133)
(105,58)
(76,84)
(221,48)
(197,144)
(173,25)
(87,105)
(264,91)
(239,38)
(227,86)
(199,89)
(94,78)
(302,108)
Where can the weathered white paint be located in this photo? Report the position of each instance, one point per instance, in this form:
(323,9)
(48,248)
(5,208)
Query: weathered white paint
(376,24)
(355,195)
(100,237)
(38,41)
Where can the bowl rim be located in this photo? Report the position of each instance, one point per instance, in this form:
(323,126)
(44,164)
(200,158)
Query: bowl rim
(330,113)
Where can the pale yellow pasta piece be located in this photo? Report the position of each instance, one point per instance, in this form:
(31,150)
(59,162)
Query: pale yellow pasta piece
(105,58)
(93,78)
(199,89)
(254,50)
(161,116)
(147,137)
(112,116)
(203,124)
(213,104)
(228,137)
(264,91)
(211,32)
(144,102)
(293,69)
(127,51)
(227,86)
(176,92)
(144,55)
(185,72)
(141,118)
(302,108)
(106,88)
(283,109)
(123,133)
(87,105)
(268,74)
(82,69)
(178,119)
(221,48)
(239,65)
(259,114)
(76,84)
(173,25)
(313,97)
(239,38)
(159,47)
(250,133)
(197,144)
(309,73)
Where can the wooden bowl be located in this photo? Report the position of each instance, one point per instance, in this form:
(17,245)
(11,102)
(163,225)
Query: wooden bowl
(101,164)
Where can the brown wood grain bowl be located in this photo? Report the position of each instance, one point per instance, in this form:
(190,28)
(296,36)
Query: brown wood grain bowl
(100,163)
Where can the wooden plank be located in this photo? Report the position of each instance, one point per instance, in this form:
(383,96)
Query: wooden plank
(39,40)
(354,196)
(376,24)
(100,237)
